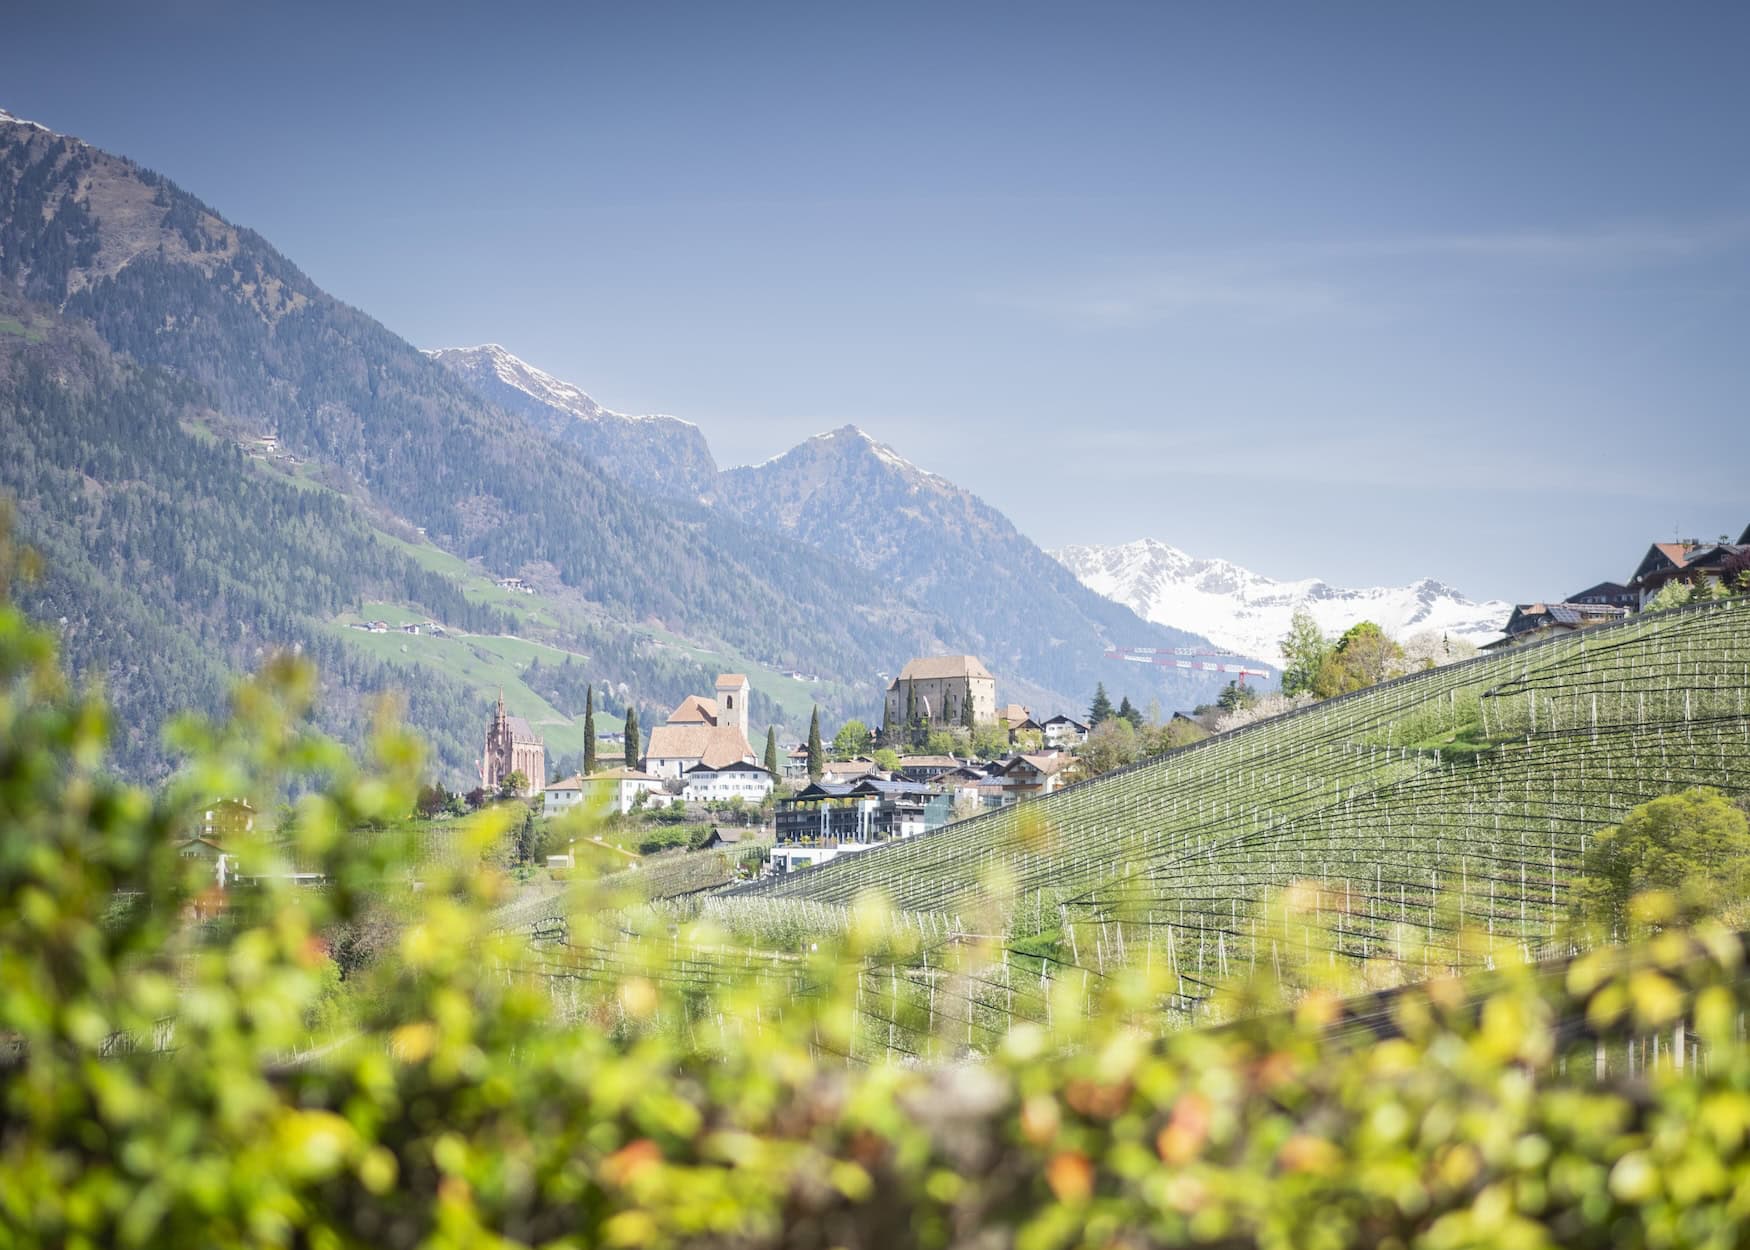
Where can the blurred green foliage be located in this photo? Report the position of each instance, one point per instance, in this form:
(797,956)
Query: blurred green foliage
(184,1067)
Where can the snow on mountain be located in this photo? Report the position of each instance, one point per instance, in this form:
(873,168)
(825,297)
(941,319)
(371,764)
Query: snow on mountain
(537,384)
(659,452)
(1245,612)
(13,120)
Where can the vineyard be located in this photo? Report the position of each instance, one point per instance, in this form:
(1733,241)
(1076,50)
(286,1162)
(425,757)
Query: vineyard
(1458,800)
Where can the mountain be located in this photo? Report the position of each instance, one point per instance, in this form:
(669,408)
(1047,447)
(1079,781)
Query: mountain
(857,500)
(656,453)
(400,487)
(1248,613)
(391,440)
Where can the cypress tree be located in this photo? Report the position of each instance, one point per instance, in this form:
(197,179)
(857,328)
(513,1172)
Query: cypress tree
(772,751)
(816,757)
(631,736)
(589,732)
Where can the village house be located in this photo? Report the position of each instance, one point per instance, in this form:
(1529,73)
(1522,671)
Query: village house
(1606,594)
(741,780)
(703,731)
(795,764)
(826,821)
(226,818)
(938,692)
(1013,716)
(1687,561)
(843,772)
(1031,776)
(1532,621)
(512,746)
(615,790)
(1063,732)
(925,769)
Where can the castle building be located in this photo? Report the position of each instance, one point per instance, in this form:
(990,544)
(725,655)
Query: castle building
(939,692)
(711,732)
(512,746)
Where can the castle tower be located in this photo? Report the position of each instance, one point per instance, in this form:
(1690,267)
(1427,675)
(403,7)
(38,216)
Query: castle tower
(732,693)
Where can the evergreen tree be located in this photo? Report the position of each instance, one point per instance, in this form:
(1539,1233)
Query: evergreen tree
(1101,708)
(589,732)
(816,753)
(772,751)
(966,715)
(1130,712)
(1235,696)
(632,742)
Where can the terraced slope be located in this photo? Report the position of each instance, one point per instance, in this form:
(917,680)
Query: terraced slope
(1461,796)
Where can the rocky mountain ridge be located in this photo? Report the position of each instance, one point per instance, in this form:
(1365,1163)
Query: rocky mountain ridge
(655,451)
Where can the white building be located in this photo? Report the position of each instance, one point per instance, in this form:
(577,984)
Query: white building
(615,790)
(1061,733)
(748,782)
(703,731)
(788,858)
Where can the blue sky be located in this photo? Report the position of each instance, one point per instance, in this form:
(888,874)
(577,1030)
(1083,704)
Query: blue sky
(1367,292)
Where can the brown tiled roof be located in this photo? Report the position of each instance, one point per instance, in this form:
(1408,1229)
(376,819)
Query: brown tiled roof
(936,666)
(1677,553)
(714,745)
(695,709)
(1015,714)
(731,679)
(618,774)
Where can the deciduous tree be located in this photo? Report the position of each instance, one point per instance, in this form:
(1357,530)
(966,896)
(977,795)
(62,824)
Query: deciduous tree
(1694,845)
(852,739)
(1304,647)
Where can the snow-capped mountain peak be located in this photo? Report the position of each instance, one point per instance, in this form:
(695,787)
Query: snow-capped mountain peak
(663,453)
(1246,612)
(10,119)
(536,383)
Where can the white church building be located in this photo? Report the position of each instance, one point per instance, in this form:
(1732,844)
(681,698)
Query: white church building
(701,731)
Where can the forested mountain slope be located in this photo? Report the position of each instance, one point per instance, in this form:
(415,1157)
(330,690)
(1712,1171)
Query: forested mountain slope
(169,563)
(167,283)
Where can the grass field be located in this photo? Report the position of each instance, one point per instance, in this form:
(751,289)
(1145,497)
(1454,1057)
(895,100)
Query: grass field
(484,664)
(13,326)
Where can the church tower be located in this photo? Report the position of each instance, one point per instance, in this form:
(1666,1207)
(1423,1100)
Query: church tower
(732,693)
